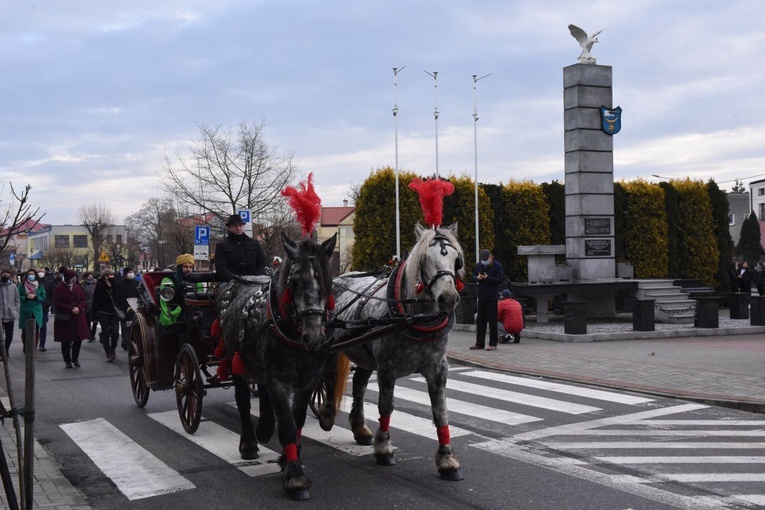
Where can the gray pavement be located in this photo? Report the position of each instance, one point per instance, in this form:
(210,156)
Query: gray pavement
(722,366)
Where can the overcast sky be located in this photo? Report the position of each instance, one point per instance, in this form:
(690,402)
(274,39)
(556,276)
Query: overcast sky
(93,95)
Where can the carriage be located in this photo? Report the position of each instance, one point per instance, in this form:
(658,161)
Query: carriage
(179,356)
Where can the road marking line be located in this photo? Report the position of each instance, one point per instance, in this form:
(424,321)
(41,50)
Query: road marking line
(667,433)
(631,485)
(137,473)
(559,388)
(637,445)
(222,443)
(518,398)
(704,423)
(684,460)
(467,408)
(627,419)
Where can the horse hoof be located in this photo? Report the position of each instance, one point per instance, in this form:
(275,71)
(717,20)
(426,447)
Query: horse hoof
(385,459)
(364,440)
(452,475)
(299,494)
(248,453)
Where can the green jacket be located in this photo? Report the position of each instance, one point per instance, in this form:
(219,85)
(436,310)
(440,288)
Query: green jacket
(31,308)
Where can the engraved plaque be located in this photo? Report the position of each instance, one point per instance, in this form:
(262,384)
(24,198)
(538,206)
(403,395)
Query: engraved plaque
(597,226)
(597,247)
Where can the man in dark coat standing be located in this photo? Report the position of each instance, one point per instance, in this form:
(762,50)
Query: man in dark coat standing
(126,288)
(238,254)
(489,275)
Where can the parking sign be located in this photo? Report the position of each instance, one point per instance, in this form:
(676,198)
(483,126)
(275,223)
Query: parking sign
(246,215)
(201,235)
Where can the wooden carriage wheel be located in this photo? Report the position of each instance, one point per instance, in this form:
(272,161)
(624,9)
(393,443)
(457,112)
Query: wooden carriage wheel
(188,388)
(136,359)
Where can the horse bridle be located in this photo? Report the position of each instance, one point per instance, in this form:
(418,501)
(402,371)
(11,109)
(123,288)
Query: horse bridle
(444,242)
(287,296)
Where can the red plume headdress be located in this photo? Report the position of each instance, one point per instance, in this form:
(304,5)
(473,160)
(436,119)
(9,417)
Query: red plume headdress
(306,204)
(432,193)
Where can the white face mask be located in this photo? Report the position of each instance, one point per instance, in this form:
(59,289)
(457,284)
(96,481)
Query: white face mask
(130,276)
(41,274)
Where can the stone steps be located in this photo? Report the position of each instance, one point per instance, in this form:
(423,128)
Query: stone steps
(672,305)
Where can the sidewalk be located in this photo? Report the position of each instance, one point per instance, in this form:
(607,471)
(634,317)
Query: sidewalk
(51,489)
(722,366)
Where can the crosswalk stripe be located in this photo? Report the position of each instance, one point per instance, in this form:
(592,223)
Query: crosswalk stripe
(684,460)
(627,445)
(407,422)
(222,443)
(754,499)
(559,388)
(702,477)
(703,423)
(467,408)
(137,473)
(667,433)
(518,398)
(626,419)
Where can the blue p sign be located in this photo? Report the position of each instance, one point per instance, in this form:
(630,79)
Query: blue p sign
(245,214)
(201,235)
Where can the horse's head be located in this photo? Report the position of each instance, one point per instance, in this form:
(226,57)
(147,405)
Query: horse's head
(435,264)
(305,286)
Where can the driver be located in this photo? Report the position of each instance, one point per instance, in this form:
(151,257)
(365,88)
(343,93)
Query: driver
(238,254)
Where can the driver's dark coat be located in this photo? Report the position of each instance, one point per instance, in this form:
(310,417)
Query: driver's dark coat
(239,255)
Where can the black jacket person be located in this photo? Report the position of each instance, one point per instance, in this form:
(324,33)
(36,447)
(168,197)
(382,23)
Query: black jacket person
(239,254)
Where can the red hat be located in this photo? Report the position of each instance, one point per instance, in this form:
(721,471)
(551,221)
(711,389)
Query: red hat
(68,275)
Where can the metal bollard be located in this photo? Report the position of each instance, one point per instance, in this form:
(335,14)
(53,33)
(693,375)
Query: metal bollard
(706,315)
(739,305)
(575,317)
(757,317)
(643,316)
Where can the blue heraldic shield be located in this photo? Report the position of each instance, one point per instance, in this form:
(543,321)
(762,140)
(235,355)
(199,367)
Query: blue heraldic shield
(611,119)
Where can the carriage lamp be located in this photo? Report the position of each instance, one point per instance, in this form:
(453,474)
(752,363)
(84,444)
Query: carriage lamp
(167,293)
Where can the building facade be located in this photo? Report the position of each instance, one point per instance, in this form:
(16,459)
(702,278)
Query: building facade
(72,246)
(338,220)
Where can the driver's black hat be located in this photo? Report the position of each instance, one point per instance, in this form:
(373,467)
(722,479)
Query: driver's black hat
(234,219)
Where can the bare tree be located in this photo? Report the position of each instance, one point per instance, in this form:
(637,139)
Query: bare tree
(96,218)
(17,217)
(229,170)
(159,227)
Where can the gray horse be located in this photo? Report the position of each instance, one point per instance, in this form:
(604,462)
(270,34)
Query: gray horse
(425,284)
(275,332)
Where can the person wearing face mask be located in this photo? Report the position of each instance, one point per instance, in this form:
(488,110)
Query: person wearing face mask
(46,280)
(9,305)
(126,288)
(32,296)
(104,302)
(489,275)
(88,285)
(71,326)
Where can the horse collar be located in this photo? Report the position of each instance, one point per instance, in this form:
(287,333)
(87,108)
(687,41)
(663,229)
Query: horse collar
(423,332)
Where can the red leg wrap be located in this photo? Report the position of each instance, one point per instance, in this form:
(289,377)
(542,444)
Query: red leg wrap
(384,423)
(290,452)
(443,434)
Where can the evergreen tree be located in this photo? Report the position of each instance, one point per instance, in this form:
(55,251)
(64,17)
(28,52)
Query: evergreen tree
(674,248)
(748,246)
(720,210)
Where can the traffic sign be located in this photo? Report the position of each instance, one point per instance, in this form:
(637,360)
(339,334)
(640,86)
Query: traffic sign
(12,258)
(103,257)
(201,235)
(201,252)
(246,215)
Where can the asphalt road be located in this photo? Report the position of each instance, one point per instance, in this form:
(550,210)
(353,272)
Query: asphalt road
(524,443)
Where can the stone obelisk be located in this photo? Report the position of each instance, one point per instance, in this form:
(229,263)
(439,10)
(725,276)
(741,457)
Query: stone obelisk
(589,165)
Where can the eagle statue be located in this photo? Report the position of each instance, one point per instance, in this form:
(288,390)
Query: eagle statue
(585,43)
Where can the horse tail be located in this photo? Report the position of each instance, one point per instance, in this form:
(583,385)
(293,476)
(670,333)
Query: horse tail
(343,368)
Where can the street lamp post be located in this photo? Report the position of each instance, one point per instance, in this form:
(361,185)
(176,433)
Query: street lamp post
(475,151)
(396,70)
(434,75)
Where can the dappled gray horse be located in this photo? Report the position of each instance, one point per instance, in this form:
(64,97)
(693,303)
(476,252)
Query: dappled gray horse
(275,335)
(426,283)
